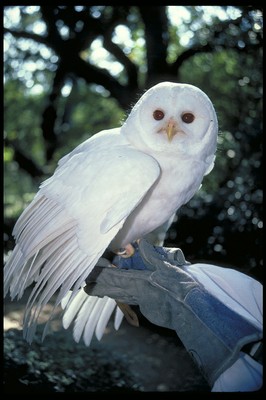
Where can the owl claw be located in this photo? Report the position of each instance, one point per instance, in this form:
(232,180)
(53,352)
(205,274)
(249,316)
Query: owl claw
(126,251)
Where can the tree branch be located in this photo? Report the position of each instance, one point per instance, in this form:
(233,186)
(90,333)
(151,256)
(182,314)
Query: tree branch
(91,27)
(214,42)
(156,36)
(91,74)
(53,37)
(49,115)
(174,67)
(28,35)
(118,53)
(23,161)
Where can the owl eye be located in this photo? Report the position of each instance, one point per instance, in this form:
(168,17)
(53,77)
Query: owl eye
(188,118)
(158,115)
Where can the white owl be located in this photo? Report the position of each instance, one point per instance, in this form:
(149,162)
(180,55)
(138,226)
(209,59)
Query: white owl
(116,187)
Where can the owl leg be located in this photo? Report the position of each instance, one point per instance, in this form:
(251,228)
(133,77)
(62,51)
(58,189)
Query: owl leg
(129,314)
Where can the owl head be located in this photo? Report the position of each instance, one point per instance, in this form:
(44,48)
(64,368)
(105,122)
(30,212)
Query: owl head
(173,118)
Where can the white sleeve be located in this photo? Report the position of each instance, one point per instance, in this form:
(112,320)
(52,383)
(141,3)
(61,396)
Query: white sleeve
(243,295)
(245,375)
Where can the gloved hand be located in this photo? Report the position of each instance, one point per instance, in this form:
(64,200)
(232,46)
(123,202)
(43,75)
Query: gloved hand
(168,296)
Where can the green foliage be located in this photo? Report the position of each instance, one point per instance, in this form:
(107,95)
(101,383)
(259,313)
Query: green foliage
(238,105)
(22,118)
(90,111)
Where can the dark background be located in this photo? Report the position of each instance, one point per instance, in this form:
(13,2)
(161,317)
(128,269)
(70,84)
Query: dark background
(70,71)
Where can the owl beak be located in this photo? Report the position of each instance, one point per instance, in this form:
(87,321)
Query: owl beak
(171,129)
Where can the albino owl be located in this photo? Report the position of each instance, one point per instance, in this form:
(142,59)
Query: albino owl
(116,187)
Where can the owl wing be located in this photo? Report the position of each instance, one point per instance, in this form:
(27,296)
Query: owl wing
(90,315)
(71,221)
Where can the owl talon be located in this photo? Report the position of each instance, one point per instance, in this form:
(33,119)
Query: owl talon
(126,251)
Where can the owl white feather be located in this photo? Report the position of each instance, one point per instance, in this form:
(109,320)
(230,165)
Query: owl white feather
(118,186)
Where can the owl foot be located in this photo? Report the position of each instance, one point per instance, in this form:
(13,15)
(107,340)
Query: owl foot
(126,251)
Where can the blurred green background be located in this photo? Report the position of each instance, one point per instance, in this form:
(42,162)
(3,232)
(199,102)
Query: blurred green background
(70,71)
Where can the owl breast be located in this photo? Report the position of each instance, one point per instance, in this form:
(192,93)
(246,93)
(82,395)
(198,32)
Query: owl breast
(176,185)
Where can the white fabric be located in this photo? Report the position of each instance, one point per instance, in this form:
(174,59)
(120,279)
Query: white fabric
(245,375)
(243,295)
